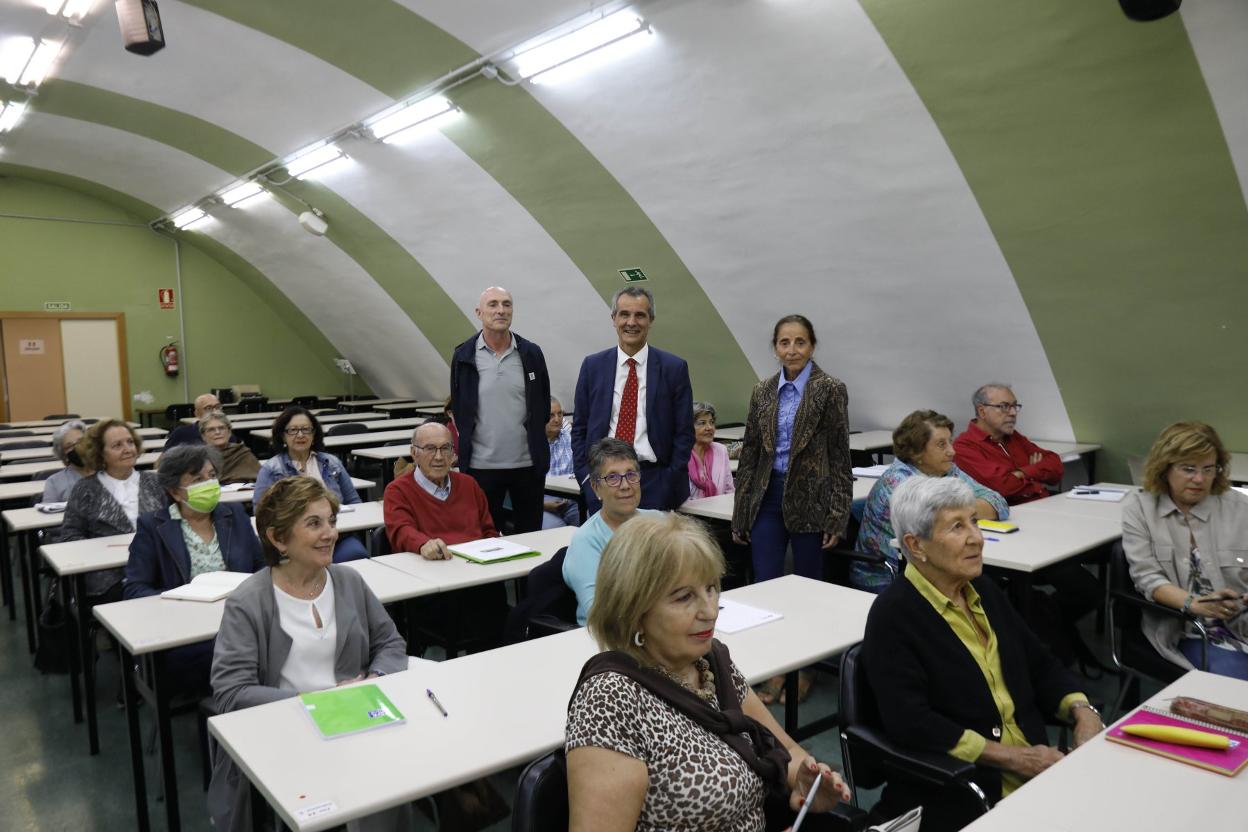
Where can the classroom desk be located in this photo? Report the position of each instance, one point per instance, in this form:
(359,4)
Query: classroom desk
(412,408)
(321,401)
(720,506)
(492,727)
(384,454)
(147,626)
(54,423)
(376,427)
(1105,786)
(370,404)
(13,495)
(247,422)
(46,438)
(872,441)
(46,453)
(263,414)
(1063,504)
(458,573)
(562,484)
(28,470)
(23,523)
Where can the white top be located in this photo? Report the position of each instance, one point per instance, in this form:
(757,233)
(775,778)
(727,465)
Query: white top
(125,492)
(313,469)
(641,440)
(310,665)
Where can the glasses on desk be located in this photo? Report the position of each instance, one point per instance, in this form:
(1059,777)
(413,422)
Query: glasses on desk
(616,480)
(1005,407)
(434,450)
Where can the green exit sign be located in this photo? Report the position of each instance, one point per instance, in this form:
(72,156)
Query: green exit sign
(56,306)
(632,275)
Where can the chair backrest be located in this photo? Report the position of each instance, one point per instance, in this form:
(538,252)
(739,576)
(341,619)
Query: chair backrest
(33,443)
(546,595)
(253,403)
(306,401)
(1120,583)
(342,428)
(60,416)
(541,803)
(9,433)
(858,708)
(174,412)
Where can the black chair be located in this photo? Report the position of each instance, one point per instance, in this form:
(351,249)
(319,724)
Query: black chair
(60,416)
(548,606)
(1133,655)
(253,404)
(9,433)
(541,803)
(871,758)
(15,446)
(836,566)
(175,412)
(345,428)
(305,401)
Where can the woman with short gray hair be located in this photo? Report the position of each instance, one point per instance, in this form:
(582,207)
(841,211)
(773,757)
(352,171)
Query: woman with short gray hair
(238,463)
(953,667)
(64,447)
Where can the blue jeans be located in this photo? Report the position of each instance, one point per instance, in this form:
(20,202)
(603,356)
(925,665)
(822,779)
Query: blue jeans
(769,539)
(1222,662)
(350,547)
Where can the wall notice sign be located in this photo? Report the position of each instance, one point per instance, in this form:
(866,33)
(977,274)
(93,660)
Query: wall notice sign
(30,346)
(632,275)
(165,296)
(56,306)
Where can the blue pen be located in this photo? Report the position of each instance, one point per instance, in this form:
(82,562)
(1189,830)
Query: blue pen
(993,539)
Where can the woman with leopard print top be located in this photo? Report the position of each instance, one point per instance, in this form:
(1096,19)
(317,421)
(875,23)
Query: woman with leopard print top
(663,731)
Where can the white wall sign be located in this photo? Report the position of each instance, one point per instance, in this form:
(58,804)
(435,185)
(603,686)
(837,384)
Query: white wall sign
(30,346)
(56,306)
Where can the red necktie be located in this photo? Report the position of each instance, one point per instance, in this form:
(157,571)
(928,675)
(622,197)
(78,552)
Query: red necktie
(626,424)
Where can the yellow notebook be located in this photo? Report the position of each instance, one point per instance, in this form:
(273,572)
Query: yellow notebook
(999,526)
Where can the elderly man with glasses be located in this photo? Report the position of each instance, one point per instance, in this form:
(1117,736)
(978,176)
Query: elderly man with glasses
(615,477)
(998,456)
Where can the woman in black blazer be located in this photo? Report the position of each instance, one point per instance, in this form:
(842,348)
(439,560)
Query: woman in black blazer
(195,533)
(951,664)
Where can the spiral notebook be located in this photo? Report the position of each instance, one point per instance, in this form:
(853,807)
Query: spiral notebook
(1229,762)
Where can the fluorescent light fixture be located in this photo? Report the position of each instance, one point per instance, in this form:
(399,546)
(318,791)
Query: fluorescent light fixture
(308,160)
(240,195)
(53,6)
(188,218)
(77,9)
(614,27)
(410,116)
(39,64)
(10,114)
(14,55)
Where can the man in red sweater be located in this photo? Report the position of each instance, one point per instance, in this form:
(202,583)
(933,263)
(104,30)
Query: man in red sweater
(998,456)
(435,506)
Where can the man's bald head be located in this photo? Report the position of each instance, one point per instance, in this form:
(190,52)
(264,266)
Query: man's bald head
(494,310)
(205,403)
(433,451)
(431,433)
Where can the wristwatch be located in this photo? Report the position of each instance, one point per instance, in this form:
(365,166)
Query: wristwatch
(1187,604)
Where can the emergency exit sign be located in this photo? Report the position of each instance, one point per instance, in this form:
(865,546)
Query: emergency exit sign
(56,306)
(632,275)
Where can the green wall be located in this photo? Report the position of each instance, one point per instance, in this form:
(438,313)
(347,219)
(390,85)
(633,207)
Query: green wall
(234,334)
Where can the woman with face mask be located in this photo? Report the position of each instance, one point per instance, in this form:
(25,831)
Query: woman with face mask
(196,533)
(65,447)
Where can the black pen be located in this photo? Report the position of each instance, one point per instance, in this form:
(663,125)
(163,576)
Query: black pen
(435,701)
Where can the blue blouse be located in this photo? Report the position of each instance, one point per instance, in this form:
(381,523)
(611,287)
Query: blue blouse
(790,399)
(877,525)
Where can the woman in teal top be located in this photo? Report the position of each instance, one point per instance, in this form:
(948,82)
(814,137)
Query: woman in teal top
(922,444)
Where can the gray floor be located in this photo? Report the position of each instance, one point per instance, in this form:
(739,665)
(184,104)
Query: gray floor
(49,782)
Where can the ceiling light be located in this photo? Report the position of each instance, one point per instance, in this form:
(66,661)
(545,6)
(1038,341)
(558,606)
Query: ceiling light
(10,114)
(318,156)
(410,116)
(600,33)
(40,63)
(188,218)
(240,195)
(53,6)
(77,9)
(14,55)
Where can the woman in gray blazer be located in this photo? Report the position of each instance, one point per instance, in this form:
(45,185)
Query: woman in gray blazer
(1186,540)
(273,623)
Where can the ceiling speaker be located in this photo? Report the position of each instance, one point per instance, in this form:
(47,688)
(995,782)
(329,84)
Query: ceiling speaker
(141,31)
(1146,10)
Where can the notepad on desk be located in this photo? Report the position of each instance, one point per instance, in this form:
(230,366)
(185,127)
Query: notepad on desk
(1104,495)
(207,587)
(339,712)
(491,550)
(1229,761)
(51,508)
(875,471)
(735,617)
(998,526)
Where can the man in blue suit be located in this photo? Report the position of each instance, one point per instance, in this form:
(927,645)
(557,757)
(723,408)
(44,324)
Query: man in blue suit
(641,395)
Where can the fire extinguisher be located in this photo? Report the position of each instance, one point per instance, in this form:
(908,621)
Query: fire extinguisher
(169,358)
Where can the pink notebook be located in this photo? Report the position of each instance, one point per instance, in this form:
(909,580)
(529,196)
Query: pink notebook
(1228,762)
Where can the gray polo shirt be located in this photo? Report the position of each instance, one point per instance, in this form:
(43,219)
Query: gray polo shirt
(499,439)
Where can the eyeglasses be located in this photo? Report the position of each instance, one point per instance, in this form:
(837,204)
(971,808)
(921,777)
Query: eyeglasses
(1005,407)
(434,450)
(615,480)
(300,431)
(555,414)
(223,429)
(1190,471)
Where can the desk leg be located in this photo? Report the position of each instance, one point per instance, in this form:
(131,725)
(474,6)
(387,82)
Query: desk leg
(88,664)
(164,729)
(6,575)
(131,696)
(70,604)
(27,594)
(790,702)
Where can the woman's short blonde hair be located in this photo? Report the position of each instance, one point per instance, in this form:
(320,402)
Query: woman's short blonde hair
(641,564)
(91,445)
(282,506)
(1185,442)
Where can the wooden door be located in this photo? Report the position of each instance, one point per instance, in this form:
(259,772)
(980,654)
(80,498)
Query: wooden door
(33,372)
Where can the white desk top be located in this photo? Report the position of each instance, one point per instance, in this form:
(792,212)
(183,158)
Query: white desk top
(30,519)
(493,724)
(1063,503)
(352,440)
(457,573)
(384,452)
(93,554)
(720,506)
(155,443)
(46,438)
(361,516)
(429,405)
(54,423)
(562,484)
(263,414)
(1045,538)
(21,490)
(250,422)
(1065,449)
(871,440)
(27,470)
(729,434)
(1105,786)
(379,402)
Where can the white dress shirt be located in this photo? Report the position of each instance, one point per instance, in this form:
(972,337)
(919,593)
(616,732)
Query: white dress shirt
(125,492)
(641,440)
(310,664)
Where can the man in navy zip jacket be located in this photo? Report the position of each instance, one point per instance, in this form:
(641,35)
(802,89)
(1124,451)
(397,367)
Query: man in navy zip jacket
(500,392)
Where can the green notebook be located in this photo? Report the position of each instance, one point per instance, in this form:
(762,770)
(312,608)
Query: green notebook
(341,711)
(491,550)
